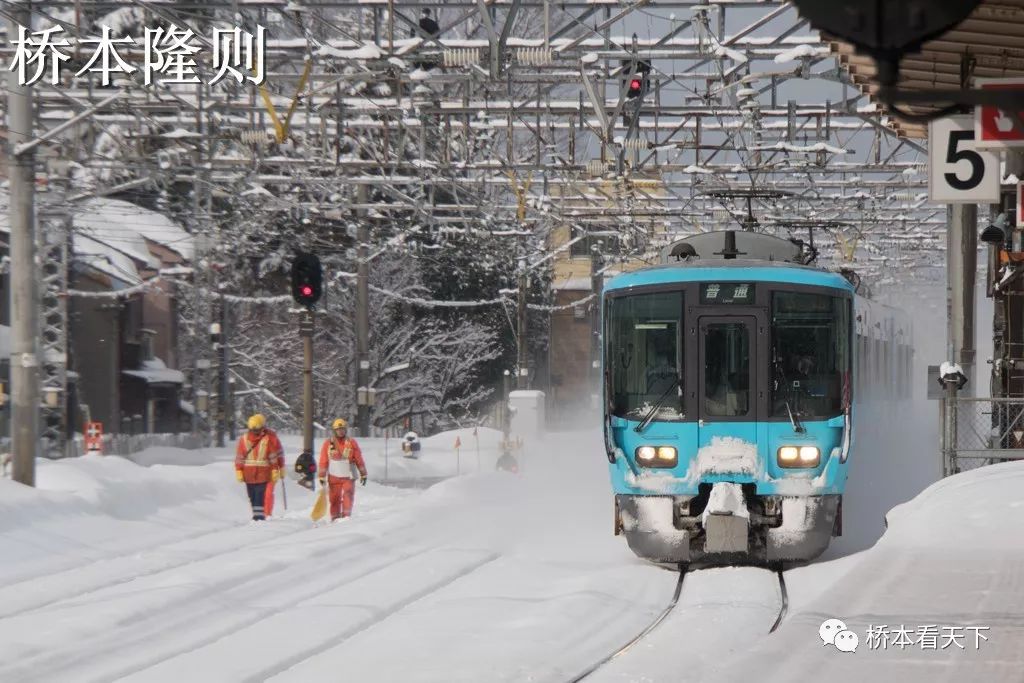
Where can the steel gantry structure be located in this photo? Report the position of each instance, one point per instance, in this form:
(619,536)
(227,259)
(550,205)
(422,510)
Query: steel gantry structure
(470,114)
(503,92)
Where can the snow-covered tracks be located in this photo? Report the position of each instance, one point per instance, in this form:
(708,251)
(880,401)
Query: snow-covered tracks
(638,637)
(725,628)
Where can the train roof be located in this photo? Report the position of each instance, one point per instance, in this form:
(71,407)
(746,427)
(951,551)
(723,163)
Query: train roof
(731,270)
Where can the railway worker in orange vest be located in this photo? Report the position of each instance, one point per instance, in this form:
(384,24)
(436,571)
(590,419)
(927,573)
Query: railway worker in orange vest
(259,462)
(339,457)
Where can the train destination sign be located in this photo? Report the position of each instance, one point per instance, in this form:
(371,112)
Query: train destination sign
(727,293)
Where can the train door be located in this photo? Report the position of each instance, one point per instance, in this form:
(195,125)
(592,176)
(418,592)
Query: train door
(728,395)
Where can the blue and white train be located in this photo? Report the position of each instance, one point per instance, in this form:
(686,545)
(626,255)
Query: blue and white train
(733,375)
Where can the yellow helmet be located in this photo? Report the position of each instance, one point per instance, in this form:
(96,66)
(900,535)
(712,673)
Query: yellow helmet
(257,421)
(340,423)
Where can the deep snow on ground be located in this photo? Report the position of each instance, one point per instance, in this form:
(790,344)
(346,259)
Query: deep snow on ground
(112,570)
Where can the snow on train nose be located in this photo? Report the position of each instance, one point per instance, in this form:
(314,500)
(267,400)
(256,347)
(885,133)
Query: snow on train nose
(726,520)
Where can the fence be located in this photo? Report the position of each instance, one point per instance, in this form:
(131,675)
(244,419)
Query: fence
(127,444)
(986,429)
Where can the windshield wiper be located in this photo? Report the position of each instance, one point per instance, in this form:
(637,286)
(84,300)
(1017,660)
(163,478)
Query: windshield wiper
(794,420)
(657,405)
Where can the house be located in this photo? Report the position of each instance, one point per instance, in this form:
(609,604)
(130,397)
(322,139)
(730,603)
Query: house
(121,349)
(124,349)
(591,223)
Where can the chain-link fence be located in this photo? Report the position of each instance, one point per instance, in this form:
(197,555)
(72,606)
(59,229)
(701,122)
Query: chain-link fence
(981,431)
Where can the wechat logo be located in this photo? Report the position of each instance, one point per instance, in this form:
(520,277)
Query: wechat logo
(834,632)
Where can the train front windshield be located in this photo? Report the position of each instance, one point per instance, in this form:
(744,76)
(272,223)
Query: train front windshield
(805,369)
(645,355)
(810,353)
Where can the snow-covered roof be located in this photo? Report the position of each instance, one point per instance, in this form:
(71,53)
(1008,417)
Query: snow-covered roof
(123,225)
(106,259)
(110,236)
(155,371)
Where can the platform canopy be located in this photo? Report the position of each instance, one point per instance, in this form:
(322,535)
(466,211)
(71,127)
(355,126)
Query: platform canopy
(988,44)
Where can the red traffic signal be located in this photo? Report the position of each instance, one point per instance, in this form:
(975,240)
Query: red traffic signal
(307,280)
(638,77)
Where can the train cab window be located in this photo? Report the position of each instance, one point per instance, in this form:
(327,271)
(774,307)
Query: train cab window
(726,369)
(644,358)
(810,354)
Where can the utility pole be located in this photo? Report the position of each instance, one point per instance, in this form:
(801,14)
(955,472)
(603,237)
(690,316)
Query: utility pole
(306,332)
(506,421)
(362,316)
(961,254)
(24,361)
(223,398)
(523,356)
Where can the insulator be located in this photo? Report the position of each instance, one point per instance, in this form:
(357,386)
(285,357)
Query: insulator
(596,167)
(534,56)
(461,56)
(634,145)
(256,137)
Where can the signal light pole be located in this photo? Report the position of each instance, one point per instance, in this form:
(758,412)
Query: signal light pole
(306,333)
(307,287)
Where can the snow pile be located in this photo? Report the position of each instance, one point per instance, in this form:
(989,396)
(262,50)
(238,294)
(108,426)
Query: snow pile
(367,51)
(697,169)
(981,509)
(949,368)
(799,51)
(728,455)
(657,482)
(729,53)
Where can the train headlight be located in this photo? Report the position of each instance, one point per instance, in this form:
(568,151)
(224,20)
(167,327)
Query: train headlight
(657,456)
(809,455)
(788,455)
(799,456)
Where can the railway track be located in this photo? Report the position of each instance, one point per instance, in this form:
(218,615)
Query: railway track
(660,617)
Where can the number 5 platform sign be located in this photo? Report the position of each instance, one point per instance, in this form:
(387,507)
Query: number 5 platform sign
(958,172)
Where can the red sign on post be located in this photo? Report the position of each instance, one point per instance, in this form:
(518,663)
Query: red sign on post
(94,437)
(993,127)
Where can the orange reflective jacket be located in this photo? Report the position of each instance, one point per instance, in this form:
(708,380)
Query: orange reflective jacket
(257,456)
(338,456)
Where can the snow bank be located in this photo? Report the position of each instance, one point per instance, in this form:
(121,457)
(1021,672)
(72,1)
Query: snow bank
(951,557)
(979,509)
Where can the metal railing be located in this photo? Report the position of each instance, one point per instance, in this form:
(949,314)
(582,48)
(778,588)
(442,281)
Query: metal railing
(129,444)
(986,429)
